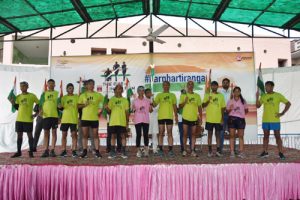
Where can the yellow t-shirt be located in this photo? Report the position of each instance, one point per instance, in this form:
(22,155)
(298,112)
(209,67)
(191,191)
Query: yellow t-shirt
(166,101)
(190,109)
(214,108)
(118,107)
(70,111)
(271,104)
(93,99)
(26,102)
(50,104)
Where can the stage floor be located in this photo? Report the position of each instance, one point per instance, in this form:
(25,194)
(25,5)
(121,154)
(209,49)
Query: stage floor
(292,155)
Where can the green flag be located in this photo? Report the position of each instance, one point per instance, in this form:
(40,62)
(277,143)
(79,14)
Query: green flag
(260,82)
(13,94)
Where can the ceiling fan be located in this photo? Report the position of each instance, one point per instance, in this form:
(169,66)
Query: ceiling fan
(152,36)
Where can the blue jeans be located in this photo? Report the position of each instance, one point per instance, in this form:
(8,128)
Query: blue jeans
(180,128)
(225,128)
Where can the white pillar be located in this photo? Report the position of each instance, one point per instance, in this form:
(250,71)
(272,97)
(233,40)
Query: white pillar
(8,48)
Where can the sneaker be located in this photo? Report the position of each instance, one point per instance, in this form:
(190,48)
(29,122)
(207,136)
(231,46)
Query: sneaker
(52,153)
(146,152)
(232,155)
(124,155)
(18,154)
(139,153)
(219,154)
(34,150)
(281,156)
(63,153)
(264,155)
(184,153)
(171,153)
(210,154)
(30,154)
(74,154)
(194,154)
(45,154)
(241,155)
(84,154)
(160,153)
(112,155)
(98,154)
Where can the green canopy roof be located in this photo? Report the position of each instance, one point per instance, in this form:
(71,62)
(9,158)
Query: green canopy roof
(24,15)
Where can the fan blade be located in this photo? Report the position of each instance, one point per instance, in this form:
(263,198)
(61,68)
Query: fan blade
(159,41)
(160,30)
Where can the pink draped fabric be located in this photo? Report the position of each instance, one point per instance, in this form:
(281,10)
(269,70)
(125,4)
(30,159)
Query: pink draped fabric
(154,182)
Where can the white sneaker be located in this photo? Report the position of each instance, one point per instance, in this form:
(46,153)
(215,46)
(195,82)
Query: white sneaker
(194,154)
(232,155)
(210,154)
(146,151)
(183,153)
(218,154)
(241,155)
(139,153)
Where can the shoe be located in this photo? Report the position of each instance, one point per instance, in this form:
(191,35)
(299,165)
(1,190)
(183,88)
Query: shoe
(63,153)
(184,153)
(219,154)
(171,153)
(160,153)
(45,154)
(241,155)
(112,155)
(124,155)
(34,150)
(232,155)
(146,152)
(210,154)
(18,154)
(74,154)
(84,154)
(52,153)
(98,154)
(30,154)
(281,156)
(139,153)
(194,154)
(264,155)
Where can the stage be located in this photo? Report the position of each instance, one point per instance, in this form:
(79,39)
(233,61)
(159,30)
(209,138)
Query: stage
(152,177)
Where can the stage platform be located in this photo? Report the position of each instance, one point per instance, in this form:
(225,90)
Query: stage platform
(153,177)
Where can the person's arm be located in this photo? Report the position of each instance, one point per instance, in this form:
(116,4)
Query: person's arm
(286,108)
(200,115)
(127,118)
(175,113)
(183,101)
(258,103)
(206,101)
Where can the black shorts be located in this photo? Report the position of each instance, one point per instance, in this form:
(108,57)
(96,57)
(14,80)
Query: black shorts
(65,127)
(92,124)
(165,122)
(189,123)
(212,126)
(50,123)
(24,127)
(117,129)
(236,122)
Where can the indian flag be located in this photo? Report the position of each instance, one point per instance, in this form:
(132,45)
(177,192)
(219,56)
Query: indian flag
(129,91)
(105,101)
(260,82)
(13,94)
(42,98)
(152,74)
(207,82)
(61,93)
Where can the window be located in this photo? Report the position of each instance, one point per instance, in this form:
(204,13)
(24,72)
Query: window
(118,51)
(98,51)
(282,62)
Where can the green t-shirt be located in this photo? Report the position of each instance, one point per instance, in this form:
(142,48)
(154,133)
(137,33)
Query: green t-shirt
(118,107)
(26,102)
(190,109)
(93,99)
(50,104)
(166,101)
(271,104)
(214,108)
(70,112)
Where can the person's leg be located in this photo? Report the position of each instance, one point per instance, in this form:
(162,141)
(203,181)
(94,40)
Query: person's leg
(37,131)
(209,140)
(74,140)
(170,136)
(64,140)
(185,135)
(241,140)
(278,141)
(161,136)
(138,130)
(217,132)
(180,129)
(85,134)
(232,139)
(146,138)
(193,135)
(190,138)
(80,136)
(119,142)
(266,140)
(19,142)
(46,139)
(91,137)
(30,141)
(108,141)
(96,138)
(54,138)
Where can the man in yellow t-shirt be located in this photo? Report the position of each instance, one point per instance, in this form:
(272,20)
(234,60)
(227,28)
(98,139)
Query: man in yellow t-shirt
(215,106)
(118,108)
(167,109)
(271,116)
(89,102)
(24,104)
(191,116)
(69,119)
(50,118)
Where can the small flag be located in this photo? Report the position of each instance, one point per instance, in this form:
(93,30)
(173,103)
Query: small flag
(13,94)
(79,87)
(105,101)
(42,98)
(61,94)
(152,76)
(208,81)
(129,91)
(260,82)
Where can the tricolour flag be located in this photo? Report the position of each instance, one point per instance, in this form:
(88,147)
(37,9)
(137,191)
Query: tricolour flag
(13,94)
(152,76)
(105,101)
(129,91)
(61,93)
(42,98)
(208,81)
(260,82)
